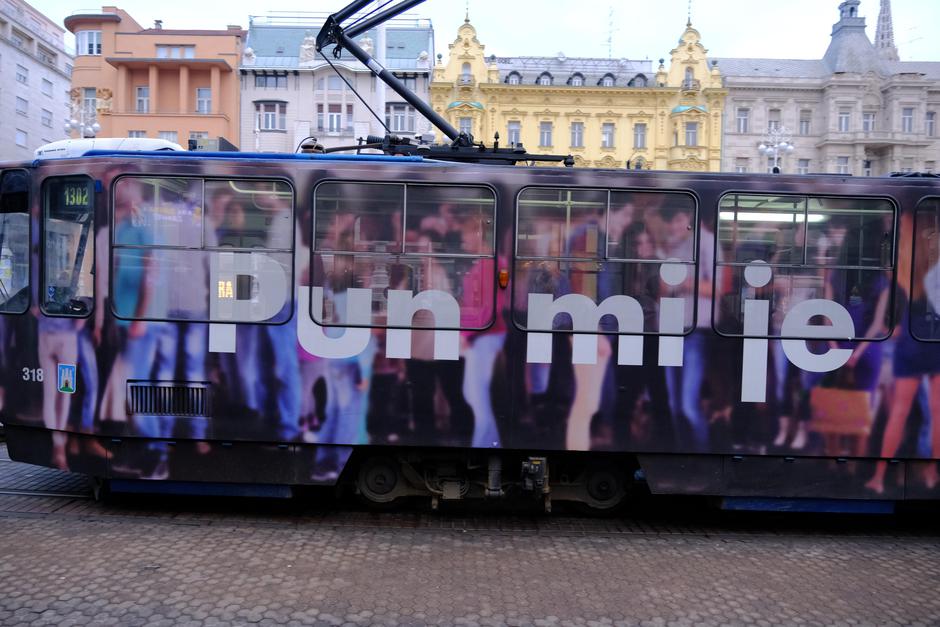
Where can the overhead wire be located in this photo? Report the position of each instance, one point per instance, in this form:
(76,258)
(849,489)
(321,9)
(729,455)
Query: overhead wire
(369,13)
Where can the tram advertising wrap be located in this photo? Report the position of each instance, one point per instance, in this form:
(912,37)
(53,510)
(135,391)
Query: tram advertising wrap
(256,320)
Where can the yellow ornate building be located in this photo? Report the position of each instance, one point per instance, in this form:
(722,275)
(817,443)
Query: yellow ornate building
(610,113)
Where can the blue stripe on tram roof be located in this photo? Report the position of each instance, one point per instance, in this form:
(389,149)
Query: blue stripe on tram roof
(233,156)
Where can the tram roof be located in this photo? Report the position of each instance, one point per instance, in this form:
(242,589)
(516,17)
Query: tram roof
(244,156)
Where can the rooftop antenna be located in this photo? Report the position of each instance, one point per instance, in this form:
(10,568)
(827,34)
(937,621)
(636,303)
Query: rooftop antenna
(610,32)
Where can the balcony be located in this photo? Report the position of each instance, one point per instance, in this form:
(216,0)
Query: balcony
(465,80)
(680,153)
(336,131)
(413,65)
(692,84)
(874,138)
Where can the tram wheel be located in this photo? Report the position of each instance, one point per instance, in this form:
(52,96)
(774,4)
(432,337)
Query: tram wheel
(100,489)
(605,489)
(378,480)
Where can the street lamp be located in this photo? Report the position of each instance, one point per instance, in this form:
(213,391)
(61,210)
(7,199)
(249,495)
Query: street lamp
(86,125)
(777,142)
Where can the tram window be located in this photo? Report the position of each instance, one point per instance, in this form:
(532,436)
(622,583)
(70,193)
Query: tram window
(790,249)
(460,217)
(921,286)
(68,246)
(249,214)
(159,212)
(359,217)
(202,250)
(605,243)
(14,242)
(851,223)
(409,237)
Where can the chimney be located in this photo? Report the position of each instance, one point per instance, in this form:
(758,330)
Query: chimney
(158,24)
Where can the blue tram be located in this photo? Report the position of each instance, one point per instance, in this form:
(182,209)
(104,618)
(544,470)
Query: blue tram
(418,327)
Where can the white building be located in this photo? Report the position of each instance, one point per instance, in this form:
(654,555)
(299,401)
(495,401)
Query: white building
(858,110)
(36,71)
(289,92)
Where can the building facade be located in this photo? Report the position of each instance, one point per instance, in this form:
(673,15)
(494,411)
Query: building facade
(610,113)
(858,110)
(154,82)
(290,92)
(34,94)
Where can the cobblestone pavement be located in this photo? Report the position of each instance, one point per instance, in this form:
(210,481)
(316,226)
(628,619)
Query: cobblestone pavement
(149,561)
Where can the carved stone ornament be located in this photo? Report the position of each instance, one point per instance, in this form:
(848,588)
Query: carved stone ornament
(308,48)
(103,98)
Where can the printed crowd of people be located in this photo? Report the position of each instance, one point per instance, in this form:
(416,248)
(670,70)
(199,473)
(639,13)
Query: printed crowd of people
(597,244)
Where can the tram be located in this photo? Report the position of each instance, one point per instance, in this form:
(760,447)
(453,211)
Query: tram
(455,329)
(444,322)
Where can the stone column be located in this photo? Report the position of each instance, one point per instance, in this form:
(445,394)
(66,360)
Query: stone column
(153,82)
(215,83)
(120,93)
(184,90)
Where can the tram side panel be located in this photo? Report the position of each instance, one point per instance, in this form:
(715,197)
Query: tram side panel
(234,331)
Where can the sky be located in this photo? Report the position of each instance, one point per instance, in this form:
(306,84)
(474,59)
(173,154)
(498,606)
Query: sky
(796,29)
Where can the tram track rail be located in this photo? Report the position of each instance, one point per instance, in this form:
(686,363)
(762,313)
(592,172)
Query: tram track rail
(44,493)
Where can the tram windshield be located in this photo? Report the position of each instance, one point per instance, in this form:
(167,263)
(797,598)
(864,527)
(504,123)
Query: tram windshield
(68,246)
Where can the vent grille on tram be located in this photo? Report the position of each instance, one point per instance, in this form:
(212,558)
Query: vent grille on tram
(168,399)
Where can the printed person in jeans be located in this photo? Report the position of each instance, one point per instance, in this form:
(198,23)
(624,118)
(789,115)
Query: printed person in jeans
(268,366)
(482,348)
(133,296)
(685,383)
(57,345)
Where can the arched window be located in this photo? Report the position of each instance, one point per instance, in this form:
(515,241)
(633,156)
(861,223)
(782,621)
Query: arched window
(544,79)
(513,78)
(607,80)
(465,75)
(689,82)
(639,81)
(576,80)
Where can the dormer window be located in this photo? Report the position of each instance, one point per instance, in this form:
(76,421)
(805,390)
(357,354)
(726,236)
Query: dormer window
(607,80)
(576,80)
(466,76)
(513,78)
(544,79)
(639,80)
